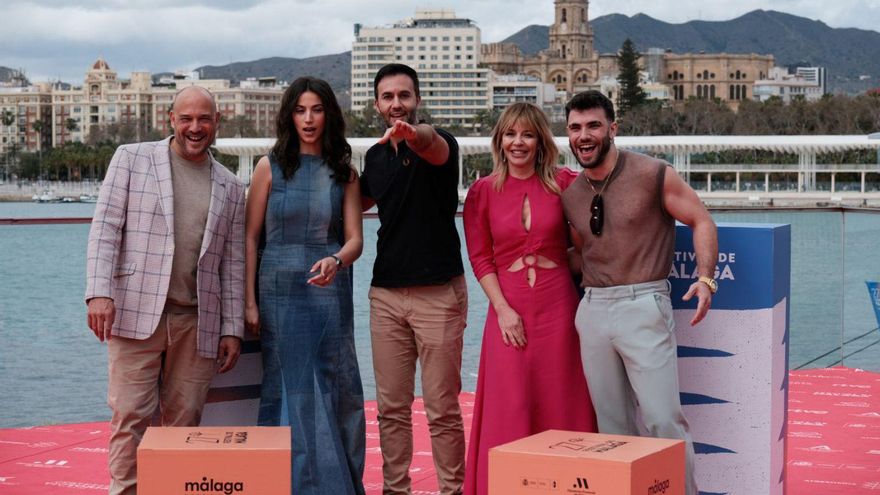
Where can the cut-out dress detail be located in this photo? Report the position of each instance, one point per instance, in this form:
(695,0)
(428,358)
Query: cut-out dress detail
(524,391)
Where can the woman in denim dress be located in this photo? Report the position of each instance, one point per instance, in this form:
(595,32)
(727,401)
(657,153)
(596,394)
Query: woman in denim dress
(306,196)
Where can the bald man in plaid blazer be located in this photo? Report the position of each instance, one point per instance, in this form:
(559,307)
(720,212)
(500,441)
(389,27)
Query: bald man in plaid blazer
(165,273)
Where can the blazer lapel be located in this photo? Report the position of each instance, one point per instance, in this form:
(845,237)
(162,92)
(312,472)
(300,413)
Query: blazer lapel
(218,201)
(162,169)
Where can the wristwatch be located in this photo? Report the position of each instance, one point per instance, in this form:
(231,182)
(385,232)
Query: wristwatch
(713,285)
(339,261)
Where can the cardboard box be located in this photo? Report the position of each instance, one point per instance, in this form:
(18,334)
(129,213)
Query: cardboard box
(240,460)
(564,462)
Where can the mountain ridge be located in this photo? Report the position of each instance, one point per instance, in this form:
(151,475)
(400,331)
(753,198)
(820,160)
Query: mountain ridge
(792,40)
(846,53)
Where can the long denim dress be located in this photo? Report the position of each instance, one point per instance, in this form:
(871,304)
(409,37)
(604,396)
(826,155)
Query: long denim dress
(308,334)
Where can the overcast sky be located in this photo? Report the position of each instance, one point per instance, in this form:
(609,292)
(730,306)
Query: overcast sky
(52,39)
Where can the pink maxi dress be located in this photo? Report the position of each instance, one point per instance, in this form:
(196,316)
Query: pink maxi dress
(541,387)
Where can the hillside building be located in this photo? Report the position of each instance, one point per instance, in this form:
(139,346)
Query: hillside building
(728,77)
(807,83)
(442,48)
(572,64)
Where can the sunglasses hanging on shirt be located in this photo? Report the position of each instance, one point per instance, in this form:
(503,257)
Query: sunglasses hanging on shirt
(597,205)
(597,215)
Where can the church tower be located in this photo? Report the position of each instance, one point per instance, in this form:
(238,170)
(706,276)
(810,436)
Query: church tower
(571,37)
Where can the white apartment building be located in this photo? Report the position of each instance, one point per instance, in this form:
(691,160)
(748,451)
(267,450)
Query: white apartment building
(256,100)
(443,49)
(807,83)
(514,88)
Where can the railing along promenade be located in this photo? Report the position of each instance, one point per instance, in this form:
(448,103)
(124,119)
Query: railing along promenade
(805,183)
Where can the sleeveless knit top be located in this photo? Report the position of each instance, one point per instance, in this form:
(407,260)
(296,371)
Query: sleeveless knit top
(638,236)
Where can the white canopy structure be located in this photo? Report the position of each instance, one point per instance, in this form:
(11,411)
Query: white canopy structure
(679,147)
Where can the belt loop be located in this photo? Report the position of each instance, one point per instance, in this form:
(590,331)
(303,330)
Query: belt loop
(588,294)
(632,292)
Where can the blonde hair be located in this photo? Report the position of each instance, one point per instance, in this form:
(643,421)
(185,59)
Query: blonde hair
(546,162)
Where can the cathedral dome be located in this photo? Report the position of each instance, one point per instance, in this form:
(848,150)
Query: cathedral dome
(100,64)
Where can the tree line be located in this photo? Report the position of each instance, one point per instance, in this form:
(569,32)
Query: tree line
(833,114)
(637,116)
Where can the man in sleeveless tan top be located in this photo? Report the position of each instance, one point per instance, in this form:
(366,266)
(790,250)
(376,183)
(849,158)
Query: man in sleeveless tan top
(623,208)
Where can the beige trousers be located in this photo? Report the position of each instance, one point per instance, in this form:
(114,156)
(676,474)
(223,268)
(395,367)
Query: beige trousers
(424,324)
(164,370)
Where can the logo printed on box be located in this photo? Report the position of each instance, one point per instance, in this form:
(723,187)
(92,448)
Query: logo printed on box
(658,487)
(581,483)
(579,445)
(214,437)
(208,486)
(539,483)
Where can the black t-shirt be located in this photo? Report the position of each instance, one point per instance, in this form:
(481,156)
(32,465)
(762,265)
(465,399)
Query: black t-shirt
(418,243)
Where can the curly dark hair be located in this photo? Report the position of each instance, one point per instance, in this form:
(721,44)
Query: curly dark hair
(334,148)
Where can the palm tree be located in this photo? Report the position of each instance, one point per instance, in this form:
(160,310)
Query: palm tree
(485,120)
(7,118)
(71,125)
(38,126)
(238,126)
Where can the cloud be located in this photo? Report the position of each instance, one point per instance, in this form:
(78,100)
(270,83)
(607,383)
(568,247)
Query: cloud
(61,38)
(123,5)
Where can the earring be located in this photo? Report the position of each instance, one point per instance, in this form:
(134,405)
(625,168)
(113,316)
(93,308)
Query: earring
(540,157)
(503,157)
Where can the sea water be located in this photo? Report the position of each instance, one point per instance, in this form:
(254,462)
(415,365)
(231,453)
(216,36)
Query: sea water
(54,370)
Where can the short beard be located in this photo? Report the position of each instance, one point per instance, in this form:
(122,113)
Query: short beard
(604,148)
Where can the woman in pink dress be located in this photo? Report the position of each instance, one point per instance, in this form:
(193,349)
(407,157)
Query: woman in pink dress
(517,238)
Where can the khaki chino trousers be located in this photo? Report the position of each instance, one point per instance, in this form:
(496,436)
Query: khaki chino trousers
(136,368)
(424,324)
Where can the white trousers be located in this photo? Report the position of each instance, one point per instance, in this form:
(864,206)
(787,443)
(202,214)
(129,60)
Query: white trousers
(629,354)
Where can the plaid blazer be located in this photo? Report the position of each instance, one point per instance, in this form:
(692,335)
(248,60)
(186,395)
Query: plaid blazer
(131,246)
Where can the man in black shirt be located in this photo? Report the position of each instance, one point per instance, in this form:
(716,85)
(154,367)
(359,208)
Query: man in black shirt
(418,298)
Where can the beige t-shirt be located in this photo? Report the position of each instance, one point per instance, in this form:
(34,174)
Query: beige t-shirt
(191,182)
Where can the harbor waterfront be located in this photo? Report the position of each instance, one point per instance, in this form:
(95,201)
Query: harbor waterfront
(52,370)
(812,181)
